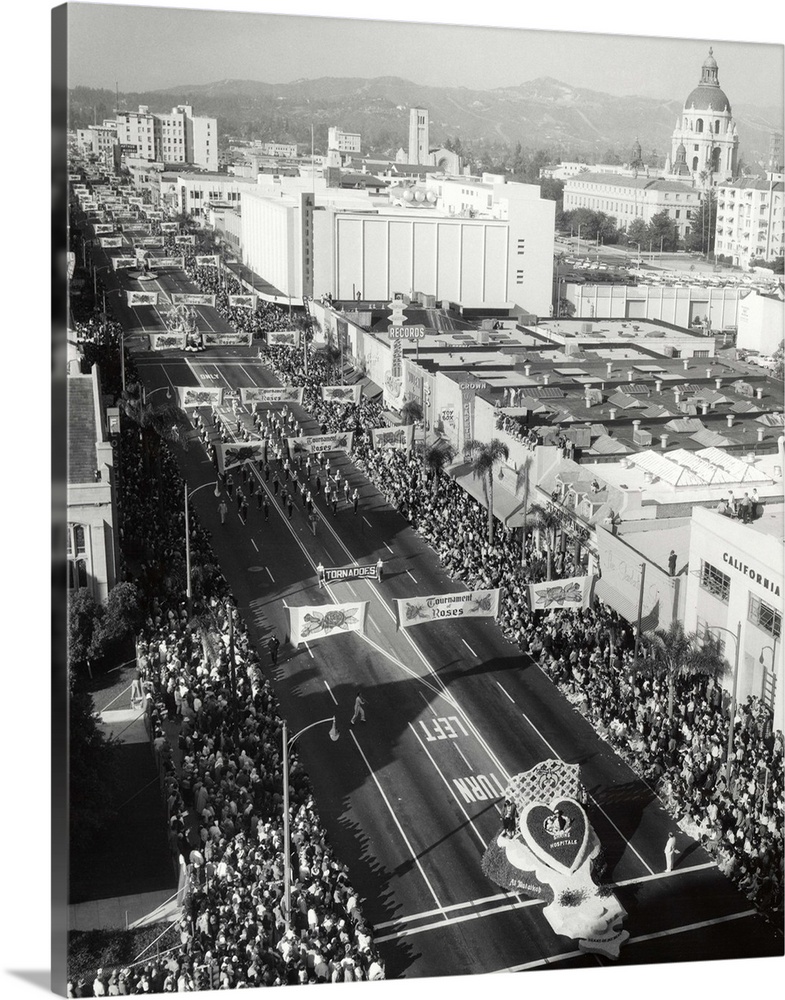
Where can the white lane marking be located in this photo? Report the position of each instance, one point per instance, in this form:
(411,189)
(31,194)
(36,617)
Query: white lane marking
(466,644)
(401,830)
(411,575)
(270,574)
(367,521)
(685,929)
(428,705)
(451,907)
(448,921)
(329,691)
(375,625)
(439,771)
(463,755)
(352,589)
(594,800)
(309,649)
(388,548)
(257,548)
(505,691)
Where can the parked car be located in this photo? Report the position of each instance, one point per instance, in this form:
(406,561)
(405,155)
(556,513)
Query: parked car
(764,361)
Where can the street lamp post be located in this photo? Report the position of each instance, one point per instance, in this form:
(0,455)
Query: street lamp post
(737,639)
(187,495)
(286,746)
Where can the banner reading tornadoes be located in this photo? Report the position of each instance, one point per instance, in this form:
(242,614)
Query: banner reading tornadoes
(283,394)
(474,604)
(195,395)
(315,444)
(231,455)
(333,574)
(393,437)
(342,393)
(572,593)
(309,623)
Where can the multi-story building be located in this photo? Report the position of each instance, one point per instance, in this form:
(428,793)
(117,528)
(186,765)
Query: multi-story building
(494,251)
(280,150)
(97,139)
(750,220)
(178,137)
(344,142)
(92,539)
(628,198)
(196,192)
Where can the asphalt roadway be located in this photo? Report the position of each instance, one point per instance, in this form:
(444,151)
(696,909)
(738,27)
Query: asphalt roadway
(410,799)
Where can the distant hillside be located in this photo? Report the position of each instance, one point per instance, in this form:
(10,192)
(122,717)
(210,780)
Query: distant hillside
(540,114)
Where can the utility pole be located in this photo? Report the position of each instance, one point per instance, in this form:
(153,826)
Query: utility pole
(640,615)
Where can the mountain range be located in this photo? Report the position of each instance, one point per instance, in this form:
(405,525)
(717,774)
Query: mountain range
(543,114)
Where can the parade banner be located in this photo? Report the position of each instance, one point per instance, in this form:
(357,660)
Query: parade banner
(102,228)
(242,301)
(74,177)
(170,227)
(316,444)
(316,622)
(150,242)
(142,298)
(575,592)
(232,455)
(284,394)
(196,395)
(337,574)
(283,338)
(118,262)
(474,604)
(393,437)
(192,299)
(210,339)
(136,201)
(110,242)
(185,239)
(170,262)
(342,393)
(207,260)
(154,213)
(167,341)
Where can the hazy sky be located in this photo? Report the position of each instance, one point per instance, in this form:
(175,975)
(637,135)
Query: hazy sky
(146,48)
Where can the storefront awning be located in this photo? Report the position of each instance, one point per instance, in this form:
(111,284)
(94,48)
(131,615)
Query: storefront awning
(507,507)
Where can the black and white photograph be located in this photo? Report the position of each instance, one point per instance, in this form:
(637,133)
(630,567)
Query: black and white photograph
(418,435)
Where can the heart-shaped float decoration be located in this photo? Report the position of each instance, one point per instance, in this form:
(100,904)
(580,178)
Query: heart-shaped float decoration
(556,834)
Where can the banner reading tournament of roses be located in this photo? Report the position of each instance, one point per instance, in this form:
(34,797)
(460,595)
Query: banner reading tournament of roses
(283,338)
(309,623)
(242,302)
(231,455)
(142,298)
(393,437)
(574,592)
(118,262)
(213,339)
(102,228)
(170,262)
(342,393)
(195,395)
(192,299)
(474,604)
(316,444)
(282,394)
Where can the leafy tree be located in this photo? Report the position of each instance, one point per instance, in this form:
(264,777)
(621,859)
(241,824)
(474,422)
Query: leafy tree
(122,616)
(673,653)
(552,189)
(484,457)
(779,357)
(84,617)
(330,355)
(436,457)
(637,232)
(92,763)
(703,224)
(157,423)
(663,232)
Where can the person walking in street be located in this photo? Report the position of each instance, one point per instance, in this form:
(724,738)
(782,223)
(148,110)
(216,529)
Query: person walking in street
(239,498)
(266,509)
(355,500)
(273,646)
(335,504)
(346,490)
(318,486)
(229,485)
(670,851)
(359,709)
(379,568)
(222,510)
(244,510)
(267,472)
(259,500)
(276,484)
(289,507)
(327,489)
(251,486)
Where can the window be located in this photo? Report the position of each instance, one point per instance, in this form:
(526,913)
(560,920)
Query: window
(765,617)
(715,581)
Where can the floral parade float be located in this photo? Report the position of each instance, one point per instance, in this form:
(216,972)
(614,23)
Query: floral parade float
(552,853)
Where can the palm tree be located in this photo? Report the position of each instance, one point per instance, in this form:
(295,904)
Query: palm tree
(440,454)
(484,458)
(329,354)
(411,411)
(157,422)
(674,653)
(522,482)
(546,520)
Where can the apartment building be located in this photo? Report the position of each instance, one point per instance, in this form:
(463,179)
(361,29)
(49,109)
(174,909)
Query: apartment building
(177,137)
(750,222)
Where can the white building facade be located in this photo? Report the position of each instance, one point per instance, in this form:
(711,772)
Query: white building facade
(750,220)
(177,137)
(344,142)
(628,198)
